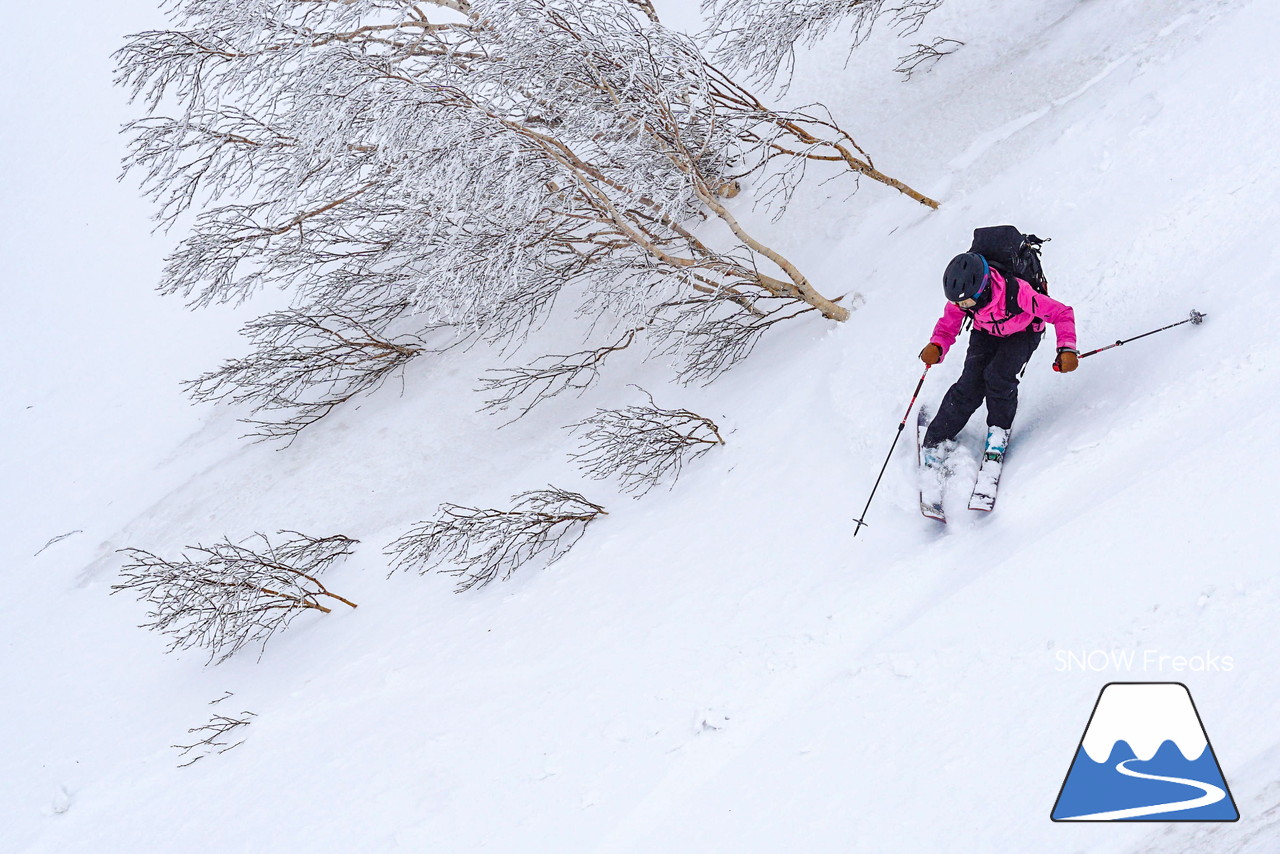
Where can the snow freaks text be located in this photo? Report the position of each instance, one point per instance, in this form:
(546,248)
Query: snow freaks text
(1146,661)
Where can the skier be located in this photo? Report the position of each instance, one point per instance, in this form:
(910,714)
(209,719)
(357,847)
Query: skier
(1008,318)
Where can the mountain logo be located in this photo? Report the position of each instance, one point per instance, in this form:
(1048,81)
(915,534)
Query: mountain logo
(1145,756)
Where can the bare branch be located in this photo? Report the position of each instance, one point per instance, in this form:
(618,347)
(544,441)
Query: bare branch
(215,736)
(706,336)
(482,546)
(227,596)
(548,376)
(306,363)
(642,445)
(924,56)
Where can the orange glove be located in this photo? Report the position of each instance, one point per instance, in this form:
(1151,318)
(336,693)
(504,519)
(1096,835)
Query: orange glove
(931,354)
(1066,362)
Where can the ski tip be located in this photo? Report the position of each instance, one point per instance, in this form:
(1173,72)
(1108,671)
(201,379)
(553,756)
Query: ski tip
(930,512)
(985,501)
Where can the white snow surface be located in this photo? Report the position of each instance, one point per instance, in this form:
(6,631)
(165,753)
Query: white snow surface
(720,667)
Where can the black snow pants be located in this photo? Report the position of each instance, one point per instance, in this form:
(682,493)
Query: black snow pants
(991,369)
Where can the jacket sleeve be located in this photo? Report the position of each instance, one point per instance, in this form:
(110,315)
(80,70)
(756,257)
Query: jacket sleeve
(1060,315)
(947,328)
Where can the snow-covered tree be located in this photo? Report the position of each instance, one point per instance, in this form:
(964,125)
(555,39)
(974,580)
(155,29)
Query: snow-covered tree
(759,37)
(467,162)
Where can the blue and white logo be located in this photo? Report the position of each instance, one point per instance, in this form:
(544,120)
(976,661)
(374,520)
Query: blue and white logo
(1145,757)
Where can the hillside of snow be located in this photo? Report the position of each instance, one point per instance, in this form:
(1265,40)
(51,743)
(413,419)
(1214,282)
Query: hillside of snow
(722,666)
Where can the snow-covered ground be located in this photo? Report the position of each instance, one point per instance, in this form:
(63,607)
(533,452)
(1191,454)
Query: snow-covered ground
(721,666)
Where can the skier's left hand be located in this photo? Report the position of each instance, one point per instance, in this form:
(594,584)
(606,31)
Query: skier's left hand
(1066,362)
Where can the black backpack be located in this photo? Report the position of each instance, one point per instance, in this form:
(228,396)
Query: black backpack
(1013,254)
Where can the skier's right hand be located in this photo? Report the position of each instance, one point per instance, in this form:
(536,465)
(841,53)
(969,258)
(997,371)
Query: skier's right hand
(931,354)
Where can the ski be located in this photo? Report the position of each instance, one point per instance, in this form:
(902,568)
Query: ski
(988,482)
(985,488)
(931,481)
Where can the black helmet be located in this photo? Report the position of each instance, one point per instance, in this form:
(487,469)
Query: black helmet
(966,277)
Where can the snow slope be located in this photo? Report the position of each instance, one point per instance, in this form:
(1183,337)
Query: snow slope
(721,667)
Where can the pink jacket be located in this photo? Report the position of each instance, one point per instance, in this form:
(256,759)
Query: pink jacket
(993,320)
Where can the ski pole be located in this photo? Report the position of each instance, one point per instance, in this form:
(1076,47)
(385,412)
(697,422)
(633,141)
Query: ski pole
(1196,318)
(896,437)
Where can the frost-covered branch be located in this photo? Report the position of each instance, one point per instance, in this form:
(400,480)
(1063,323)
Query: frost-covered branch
(468,160)
(646,8)
(228,595)
(795,138)
(483,545)
(642,445)
(759,37)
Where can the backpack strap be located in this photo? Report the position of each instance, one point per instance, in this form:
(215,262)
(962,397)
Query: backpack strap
(1012,284)
(1011,307)
(1011,287)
